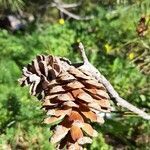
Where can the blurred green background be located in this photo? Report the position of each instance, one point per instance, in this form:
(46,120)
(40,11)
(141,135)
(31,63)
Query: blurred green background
(112,44)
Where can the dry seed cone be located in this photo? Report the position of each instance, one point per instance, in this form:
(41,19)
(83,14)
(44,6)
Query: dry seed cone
(71,98)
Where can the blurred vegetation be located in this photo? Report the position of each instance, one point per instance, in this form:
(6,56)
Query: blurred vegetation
(112,45)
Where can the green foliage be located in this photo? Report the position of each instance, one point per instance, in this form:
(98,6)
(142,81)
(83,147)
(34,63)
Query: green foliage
(99,143)
(12,4)
(108,40)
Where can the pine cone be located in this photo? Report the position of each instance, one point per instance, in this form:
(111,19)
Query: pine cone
(71,98)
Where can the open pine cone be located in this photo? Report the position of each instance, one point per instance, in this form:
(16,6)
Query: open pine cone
(71,98)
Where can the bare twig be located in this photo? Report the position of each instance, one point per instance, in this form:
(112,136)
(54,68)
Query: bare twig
(54,4)
(71,5)
(60,6)
(87,66)
(82,53)
(74,16)
(64,5)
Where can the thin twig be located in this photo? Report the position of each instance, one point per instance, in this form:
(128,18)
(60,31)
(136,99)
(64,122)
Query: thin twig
(59,5)
(74,16)
(63,9)
(82,53)
(87,66)
(71,5)
(54,4)
(64,5)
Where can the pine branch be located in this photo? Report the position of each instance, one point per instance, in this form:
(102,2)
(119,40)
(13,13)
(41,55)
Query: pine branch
(87,66)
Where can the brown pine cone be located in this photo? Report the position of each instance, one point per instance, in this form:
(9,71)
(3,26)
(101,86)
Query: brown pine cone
(72,100)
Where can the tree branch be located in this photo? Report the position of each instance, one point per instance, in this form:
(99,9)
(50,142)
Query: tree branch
(62,7)
(74,16)
(71,5)
(55,3)
(87,66)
